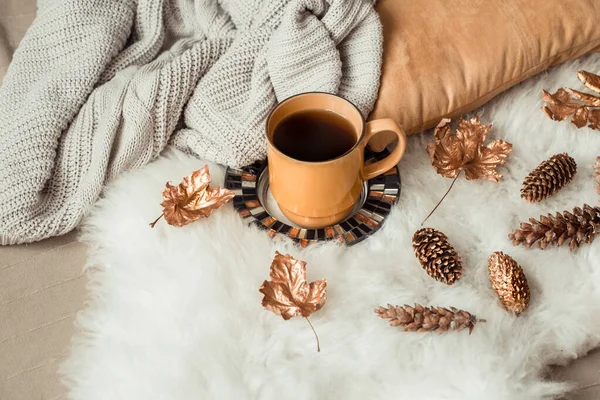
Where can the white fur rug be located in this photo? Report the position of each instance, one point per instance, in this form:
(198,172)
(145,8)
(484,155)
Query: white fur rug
(175,313)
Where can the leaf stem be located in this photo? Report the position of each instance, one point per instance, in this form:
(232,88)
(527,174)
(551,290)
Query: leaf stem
(315,332)
(442,199)
(156,220)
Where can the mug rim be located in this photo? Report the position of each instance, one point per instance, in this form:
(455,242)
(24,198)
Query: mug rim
(358,140)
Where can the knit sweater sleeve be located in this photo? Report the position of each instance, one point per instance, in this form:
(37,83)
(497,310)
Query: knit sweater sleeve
(55,68)
(97,87)
(328,47)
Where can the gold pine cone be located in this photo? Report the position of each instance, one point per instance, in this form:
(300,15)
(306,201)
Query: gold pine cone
(436,255)
(425,319)
(548,177)
(577,228)
(509,282)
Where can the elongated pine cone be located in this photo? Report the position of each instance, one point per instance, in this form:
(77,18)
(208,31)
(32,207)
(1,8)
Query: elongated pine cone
(597,174)
(436,255)
(577,228)
(548,177)
(509,282)
(423,319)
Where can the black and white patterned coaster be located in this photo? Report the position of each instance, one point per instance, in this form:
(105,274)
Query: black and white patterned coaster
(380,194)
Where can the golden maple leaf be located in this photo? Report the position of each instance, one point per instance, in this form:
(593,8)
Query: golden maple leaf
(288,294)
(583,107)
(192,199)
(465,151)
(451,154)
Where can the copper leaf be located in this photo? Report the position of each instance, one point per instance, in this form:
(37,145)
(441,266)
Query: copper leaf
(192,199)
(465,150)
(591,81)
(288,294)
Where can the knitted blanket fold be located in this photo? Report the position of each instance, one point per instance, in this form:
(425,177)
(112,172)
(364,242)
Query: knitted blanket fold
(98,87)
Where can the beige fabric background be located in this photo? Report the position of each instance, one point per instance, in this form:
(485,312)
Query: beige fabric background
(41,290)
(42,287)
(15,18)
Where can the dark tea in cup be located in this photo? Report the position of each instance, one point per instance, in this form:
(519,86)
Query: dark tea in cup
(314,135)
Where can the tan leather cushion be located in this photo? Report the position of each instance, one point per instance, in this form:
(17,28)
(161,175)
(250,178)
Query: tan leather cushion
(15,17)
(443,58)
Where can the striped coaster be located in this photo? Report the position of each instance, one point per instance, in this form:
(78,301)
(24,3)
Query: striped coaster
(381,194)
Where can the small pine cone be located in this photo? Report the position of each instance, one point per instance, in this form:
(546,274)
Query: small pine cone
(548,177)
(436,255)
(509,282)
(597,174)
(423,319)
(577,228)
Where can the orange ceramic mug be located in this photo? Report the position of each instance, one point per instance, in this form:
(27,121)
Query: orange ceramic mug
(319,194)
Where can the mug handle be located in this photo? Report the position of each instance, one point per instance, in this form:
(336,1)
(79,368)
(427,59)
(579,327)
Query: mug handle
(383,125)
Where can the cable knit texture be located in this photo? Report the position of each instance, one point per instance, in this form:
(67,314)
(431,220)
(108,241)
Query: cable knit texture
(98,87)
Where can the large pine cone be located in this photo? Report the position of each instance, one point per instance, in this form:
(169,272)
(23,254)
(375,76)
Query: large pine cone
(548,177)
(436,255)
(509,282)
(577,228)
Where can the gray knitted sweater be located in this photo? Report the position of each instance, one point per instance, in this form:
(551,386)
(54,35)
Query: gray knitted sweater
(98,87)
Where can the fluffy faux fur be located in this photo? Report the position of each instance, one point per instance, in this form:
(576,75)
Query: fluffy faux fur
(175,313)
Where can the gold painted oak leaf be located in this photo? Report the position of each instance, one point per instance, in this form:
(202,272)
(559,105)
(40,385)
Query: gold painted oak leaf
(583,107)
(594,119)
(465,151)
(559,107)
(192,199)
(588,99)
(590,80)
